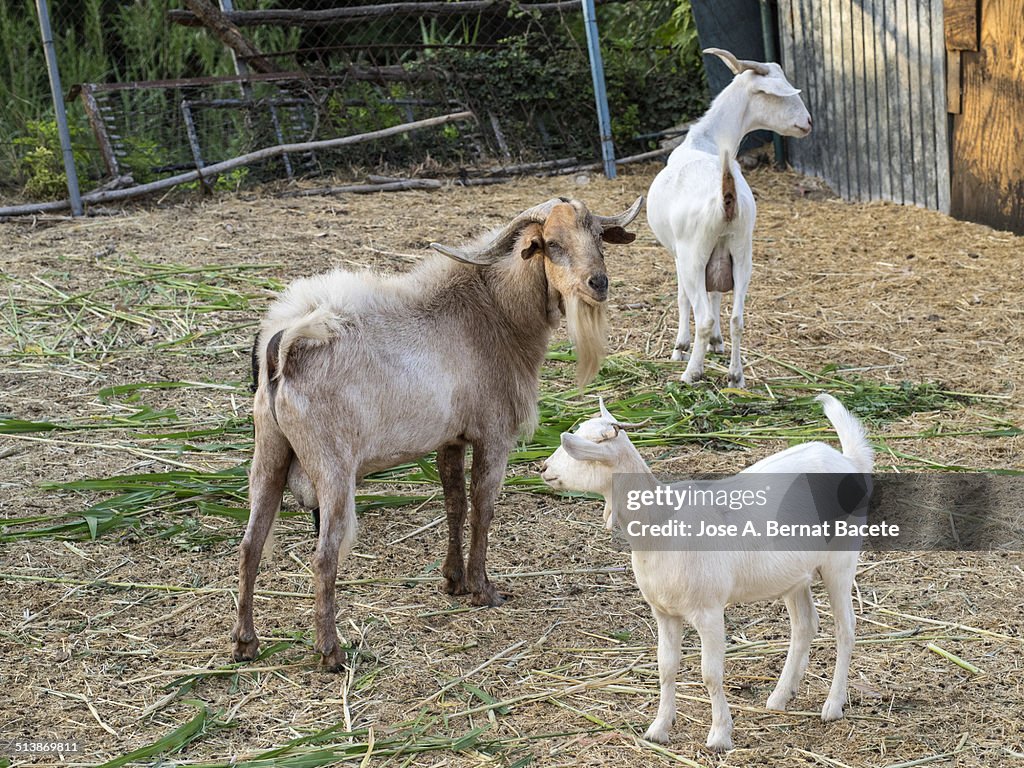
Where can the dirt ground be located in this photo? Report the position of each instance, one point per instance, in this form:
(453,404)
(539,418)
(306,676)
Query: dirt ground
(119,641)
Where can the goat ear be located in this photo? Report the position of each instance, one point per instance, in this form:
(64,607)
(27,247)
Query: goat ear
(536,244)
(773,86)
(617,235)
(584,450)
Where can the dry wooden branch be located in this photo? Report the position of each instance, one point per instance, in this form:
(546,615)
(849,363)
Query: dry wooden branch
(395,185)
(525,168)
(227,165)
(220,25)
(643,156)
(305,18)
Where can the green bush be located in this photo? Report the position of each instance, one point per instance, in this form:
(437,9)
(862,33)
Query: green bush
(526,74)
(42,163)
(96,41)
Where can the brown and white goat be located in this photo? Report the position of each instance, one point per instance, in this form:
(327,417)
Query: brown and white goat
(359,372)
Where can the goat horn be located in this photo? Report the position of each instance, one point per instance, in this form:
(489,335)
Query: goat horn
(500,243)
(607,416)
(737,65)
(621,219)
(632,424)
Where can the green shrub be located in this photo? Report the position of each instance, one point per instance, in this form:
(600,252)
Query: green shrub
(42,163)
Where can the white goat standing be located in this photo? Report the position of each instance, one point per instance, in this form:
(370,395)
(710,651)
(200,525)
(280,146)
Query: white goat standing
(702,210)
(696,585)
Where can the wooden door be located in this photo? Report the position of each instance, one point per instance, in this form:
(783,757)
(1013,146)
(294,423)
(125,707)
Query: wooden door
(985,65)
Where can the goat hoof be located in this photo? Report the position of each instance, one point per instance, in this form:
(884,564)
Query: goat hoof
(488,597)
(691,378)
(657,735)
(246,645)
(719,742)
(333,660)
(716,345)
(680,352)
(455,585)
(736,381)
(831,711)
(777,702)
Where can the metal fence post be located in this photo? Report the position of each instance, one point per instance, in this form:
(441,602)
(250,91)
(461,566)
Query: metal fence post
(770,54)
(604,121)
(74,196)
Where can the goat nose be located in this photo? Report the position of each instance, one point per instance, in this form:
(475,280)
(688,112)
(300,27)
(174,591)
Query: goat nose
(598,282)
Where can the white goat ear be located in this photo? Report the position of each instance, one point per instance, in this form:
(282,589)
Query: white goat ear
(773,86)
(584,450)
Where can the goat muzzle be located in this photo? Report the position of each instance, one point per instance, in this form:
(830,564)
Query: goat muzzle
(598,285)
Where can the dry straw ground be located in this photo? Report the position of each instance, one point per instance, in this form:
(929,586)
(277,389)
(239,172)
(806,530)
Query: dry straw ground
(128,336)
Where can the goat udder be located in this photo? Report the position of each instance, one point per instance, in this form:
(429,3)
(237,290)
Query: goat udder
(718,272)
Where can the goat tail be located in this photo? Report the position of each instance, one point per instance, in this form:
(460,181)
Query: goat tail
(851,433)
(729,205)
(318,326)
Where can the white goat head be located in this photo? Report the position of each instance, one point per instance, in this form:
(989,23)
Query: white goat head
(588,457)
(568,238)
(778,105)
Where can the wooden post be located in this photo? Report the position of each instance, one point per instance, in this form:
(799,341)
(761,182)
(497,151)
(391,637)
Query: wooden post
(214,19)
(99,129)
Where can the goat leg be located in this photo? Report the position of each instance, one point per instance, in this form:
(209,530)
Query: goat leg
(838,579)
(670,629)
(716,343)
(266,487)
(803,623)
(489,463)
(683,337)
(741,272)
(710,626)
(451,466)
(337,534)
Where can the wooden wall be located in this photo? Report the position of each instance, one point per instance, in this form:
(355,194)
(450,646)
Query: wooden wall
(986,57)
(873,77)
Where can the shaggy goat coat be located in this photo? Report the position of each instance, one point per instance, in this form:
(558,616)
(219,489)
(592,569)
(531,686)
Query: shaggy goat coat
(358,372)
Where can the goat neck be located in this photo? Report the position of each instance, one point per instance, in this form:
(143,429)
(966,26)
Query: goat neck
(519,289)
(628,461)
(726,122)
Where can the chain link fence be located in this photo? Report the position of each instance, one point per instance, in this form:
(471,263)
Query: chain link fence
(153,90)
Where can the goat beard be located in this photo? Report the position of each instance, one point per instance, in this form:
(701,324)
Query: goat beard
(587,323)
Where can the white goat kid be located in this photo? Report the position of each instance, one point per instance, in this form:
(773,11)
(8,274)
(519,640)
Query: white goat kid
(696,585)
(702,210)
